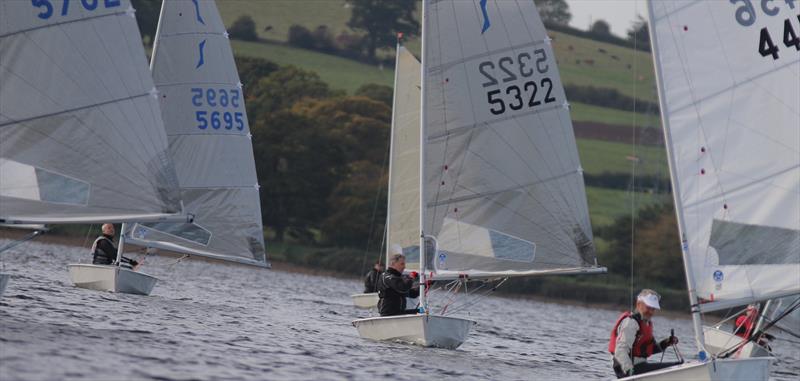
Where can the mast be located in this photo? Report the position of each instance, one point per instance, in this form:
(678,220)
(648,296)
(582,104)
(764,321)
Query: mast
(121,243)
(156,38)
(423,302)
(690,284)
(391,149)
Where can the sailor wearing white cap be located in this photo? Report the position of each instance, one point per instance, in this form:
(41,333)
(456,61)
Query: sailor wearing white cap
(632,340)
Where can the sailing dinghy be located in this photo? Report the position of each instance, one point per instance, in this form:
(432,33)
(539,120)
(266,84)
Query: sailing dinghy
(81,135)
(728,91)
(492,165)
(365,300)
(203,108)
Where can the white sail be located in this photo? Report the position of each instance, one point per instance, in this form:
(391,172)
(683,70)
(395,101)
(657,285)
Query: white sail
(503,184)
(404,191)
(731,113)
(209,139)
(81,135)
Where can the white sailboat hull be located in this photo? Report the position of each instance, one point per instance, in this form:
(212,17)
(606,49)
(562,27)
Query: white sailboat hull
(3,282)
(750,369)
(111,278)
(369,300)
(424,330)
(718,340)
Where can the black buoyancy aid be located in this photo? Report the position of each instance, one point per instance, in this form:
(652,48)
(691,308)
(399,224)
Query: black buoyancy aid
(101,254)
(645,343)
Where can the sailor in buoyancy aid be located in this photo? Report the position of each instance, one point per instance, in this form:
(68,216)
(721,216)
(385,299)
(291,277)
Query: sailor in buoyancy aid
(103,250)
(632,340)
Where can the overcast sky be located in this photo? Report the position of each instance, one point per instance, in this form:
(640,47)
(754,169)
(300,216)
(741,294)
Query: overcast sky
(618,13)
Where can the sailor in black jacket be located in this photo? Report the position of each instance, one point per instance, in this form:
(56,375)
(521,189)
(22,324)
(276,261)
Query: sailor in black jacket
(372,278)
(103,250)
(394,288)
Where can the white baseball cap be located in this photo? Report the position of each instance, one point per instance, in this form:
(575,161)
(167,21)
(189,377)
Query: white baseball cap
(651,300)
(396,249)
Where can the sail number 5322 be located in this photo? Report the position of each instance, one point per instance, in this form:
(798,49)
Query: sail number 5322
(511,83)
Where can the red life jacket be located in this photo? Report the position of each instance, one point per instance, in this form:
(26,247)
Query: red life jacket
(645,343)
(743,326)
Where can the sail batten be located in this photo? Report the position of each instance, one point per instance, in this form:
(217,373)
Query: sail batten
(209,139)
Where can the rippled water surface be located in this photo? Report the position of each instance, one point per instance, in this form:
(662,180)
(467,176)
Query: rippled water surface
(208,322)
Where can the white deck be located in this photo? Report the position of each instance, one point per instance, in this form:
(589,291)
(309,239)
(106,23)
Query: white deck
(718,340)
(367,301)
(751,369)
(424,330)
(111,278)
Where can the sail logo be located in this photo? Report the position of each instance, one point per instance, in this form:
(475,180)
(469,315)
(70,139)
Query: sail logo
(442,259)
(202,59)
(486,23)
(197,11)
(718,276)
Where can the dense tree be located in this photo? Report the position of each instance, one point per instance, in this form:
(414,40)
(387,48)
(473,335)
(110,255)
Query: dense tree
(639,33)
(601,27)
(244,28)
(554,11)
(357,206)
(656,247)
(147,12)
(381,93)
(381,21)
(281,89)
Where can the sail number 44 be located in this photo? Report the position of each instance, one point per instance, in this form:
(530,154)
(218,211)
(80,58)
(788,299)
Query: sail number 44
(511,84)
(790,38)
(217,98)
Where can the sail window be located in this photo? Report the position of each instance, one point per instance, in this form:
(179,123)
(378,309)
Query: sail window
(511,248)
(186,231)
(32,183)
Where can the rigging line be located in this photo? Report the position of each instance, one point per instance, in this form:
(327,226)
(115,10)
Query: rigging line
(375,210)
(757,334)
(633,162)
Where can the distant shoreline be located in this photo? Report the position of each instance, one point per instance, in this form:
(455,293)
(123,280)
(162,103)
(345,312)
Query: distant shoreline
(293,268)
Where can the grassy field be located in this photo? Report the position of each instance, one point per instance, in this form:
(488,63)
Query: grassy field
(582,61)
(582,112)
(607,204)
(599,156)
(281,14)
(338,72)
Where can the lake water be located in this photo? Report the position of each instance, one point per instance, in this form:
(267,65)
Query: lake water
(210,322)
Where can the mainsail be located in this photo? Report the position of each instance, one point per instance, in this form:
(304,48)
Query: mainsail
(404,190)
(503,185)
(729,81)
(81,134)
(209,139)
